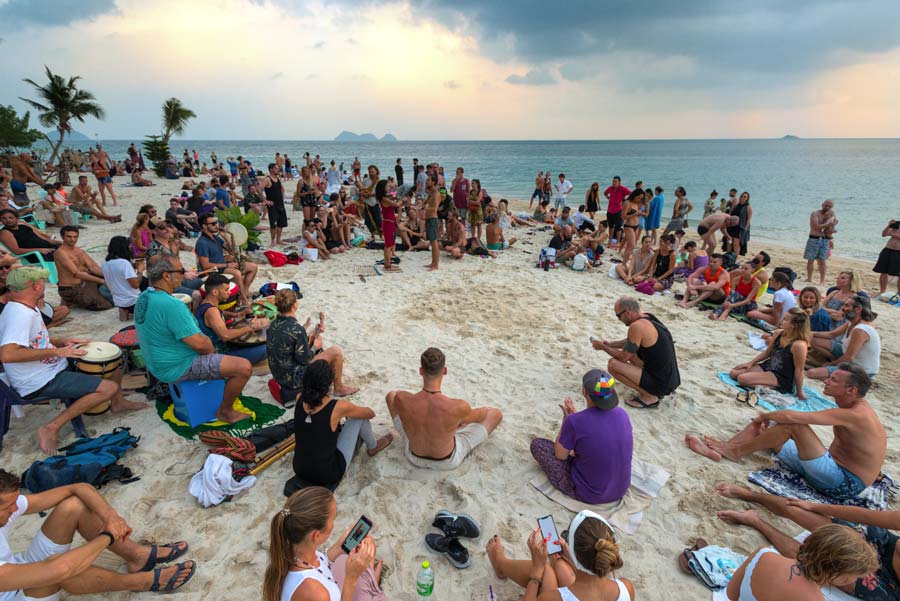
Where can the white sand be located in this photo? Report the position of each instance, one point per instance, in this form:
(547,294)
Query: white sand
(516,338)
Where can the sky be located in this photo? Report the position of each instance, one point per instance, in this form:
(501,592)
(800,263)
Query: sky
(468,69)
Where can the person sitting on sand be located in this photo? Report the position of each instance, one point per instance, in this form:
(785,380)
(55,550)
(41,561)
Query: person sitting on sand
(582,570)
(139,180)
(173,346)
(742,299)
(690,259)
(591,457)
(541,211)
(291,347)
(455,236)
(780,366)
(210,250)
(834,555)
(35,364)
(711,284)
(52,316)
(51,564)
(213,322)
(411,230)
(328,430)
(782,301)
(123,281)
(716,222)
(810,300)
(645,359)
(493,231)
(629,270)
(857,341)
(875,526)
(847,284)
(844,469)
(86,200)
(298,571)
(440,431)
(661,266)
(562,242)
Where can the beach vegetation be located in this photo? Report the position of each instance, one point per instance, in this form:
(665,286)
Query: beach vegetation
(14,130)
(157,152)
(175,118)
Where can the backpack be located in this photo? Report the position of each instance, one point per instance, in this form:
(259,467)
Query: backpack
(547,258)
(90,460)
(790,273)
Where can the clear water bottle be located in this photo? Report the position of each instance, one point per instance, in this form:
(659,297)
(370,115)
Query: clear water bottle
(425,581)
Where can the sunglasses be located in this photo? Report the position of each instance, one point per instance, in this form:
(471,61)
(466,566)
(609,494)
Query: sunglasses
(181,271)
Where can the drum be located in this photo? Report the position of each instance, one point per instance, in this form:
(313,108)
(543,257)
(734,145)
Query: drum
(127,340)
(103,359)
(234,292)
(251,339)
(185,298)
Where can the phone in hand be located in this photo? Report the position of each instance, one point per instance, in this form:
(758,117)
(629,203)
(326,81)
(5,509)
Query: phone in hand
(594,339)
(548,531)
(357,534)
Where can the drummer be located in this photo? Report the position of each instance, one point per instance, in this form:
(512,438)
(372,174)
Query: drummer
(210,249)
(36,365)
(213,323)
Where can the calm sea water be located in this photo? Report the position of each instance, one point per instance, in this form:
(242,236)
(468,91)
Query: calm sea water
(786,179)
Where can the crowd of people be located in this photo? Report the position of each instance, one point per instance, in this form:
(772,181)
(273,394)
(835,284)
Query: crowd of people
(193,336)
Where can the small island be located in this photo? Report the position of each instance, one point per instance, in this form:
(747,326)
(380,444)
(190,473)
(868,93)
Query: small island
(349,136)
(790,137)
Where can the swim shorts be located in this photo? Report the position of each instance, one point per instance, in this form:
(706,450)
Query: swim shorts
(702,229)
(104,180)
(467,438)
(40,549)
(431,229)
(823,473)
(816,249)
(204,367)
(277,216)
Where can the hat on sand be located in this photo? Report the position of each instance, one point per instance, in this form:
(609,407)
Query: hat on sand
(23,277)
(600,386)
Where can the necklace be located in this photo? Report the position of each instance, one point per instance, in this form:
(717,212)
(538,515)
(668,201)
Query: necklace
(431,391)
(309,566)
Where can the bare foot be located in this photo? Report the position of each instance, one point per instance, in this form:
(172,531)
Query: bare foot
(683,305)
(47,440)
(345,391)
(231,416)
(496,555)
(379,565)
(748,517)
(382,444)
(698,446)
(732,491)
(126,405)
(431,268)
(724,449)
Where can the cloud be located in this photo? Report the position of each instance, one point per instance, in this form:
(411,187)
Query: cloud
(276,75)
(452,84)
(535,77)
(319,45)
(352,42)
(52,12)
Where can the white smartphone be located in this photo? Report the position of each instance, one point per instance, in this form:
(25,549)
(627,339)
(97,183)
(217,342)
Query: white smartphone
(548,531)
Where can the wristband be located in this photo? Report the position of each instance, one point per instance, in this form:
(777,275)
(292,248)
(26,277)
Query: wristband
(112,539)
(536,580)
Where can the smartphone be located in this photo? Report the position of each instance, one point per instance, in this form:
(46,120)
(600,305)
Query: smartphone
(548,531)
(357,534)
(593,339)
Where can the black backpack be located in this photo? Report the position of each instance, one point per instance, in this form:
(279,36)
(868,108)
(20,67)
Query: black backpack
(790,273)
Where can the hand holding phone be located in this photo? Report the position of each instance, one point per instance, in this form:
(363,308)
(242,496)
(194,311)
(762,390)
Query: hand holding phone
(548,531)
(359,531)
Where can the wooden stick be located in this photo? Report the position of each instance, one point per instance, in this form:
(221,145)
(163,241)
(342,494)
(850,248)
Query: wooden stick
(272,457)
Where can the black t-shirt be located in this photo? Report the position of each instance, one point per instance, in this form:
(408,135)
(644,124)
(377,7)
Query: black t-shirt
(398,169)
(558,243)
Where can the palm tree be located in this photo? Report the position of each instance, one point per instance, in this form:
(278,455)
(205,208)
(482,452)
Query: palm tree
(175,118)
(61,103)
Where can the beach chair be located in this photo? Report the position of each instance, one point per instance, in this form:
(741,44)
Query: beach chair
(10,398)
(41,259)
(41,225)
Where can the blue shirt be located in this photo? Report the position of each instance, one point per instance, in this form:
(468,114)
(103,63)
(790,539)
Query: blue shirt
(211,249)
(223,195)
(162,322)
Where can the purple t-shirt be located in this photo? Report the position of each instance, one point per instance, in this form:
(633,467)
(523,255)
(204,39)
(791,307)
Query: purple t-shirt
(603,443)
(461,194)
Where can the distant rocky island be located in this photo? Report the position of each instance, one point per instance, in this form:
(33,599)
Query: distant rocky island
(349,136)
(790,137)
(73,136)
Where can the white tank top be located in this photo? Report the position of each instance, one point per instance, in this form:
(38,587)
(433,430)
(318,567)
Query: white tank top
(869,355)
(567,595)
(322,575)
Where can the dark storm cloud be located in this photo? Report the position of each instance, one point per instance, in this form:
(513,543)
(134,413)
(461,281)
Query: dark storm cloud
(52,12)
(535,77)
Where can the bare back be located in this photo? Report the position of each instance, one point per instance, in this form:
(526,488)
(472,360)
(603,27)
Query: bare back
(430,421)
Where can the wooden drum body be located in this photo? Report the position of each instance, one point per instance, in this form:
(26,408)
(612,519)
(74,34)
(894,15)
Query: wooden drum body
(103,359)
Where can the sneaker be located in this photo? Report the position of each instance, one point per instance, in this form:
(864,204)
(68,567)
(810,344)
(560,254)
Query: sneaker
(451,547)
(456,525)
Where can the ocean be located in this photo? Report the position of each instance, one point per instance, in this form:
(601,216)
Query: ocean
(786,179)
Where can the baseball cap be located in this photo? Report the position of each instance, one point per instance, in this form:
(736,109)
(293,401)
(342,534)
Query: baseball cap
(156,221)
(600,386)
(23,277)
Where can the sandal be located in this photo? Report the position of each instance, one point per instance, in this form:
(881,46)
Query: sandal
(685,557)
(748,397)
(641,404)
(170,585)
(154,559)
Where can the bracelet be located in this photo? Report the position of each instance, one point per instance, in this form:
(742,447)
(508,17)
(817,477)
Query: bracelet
(537,580)
(112,539)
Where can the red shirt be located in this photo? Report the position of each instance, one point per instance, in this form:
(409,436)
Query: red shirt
(461,193)
(710,279)
(616,197)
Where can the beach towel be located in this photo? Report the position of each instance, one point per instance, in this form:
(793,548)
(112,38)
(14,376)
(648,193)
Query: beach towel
(626,514)
(215,482)
(771,400)
(756,341)
(260,414)
(781,481)
(756,323)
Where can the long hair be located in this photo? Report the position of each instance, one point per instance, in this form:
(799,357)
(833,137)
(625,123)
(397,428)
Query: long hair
(815,291)
(801,330)
(119,248)
(306,510)
(317,379)
(596,548)
(833,552)
(855,280)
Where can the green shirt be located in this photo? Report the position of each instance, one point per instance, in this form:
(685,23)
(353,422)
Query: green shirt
(162,322)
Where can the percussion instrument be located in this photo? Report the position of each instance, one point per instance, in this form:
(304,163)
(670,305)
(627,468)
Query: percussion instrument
(127,340)
(251,339)
(103,359)
(185,298)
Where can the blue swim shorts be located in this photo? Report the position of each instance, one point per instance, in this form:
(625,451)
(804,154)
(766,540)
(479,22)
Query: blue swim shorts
(823,473)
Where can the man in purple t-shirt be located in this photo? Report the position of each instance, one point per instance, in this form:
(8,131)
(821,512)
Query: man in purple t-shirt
(591,458)
(460,189)
(616,195)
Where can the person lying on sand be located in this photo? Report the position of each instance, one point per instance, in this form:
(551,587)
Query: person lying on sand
(51,564)
(440,431)
(844,469)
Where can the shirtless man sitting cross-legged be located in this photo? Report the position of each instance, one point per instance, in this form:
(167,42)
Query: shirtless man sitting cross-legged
(843,470)
(439,431)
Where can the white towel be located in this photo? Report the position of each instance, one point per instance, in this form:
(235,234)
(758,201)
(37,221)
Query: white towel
(214,482)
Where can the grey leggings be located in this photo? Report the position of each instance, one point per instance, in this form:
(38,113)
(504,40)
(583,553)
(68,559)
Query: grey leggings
(352,432)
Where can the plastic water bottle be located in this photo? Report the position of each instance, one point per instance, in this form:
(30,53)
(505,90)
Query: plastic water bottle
(425,581)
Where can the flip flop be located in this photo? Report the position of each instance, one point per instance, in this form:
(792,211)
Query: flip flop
(685,557)
(641,404)
(170,585)
(748,397)
(154,560)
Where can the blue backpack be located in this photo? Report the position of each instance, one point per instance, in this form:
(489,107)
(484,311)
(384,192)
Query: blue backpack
(90,460)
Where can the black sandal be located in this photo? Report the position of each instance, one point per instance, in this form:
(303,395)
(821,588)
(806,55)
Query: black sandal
(641,404)
(170,585)
(153,560)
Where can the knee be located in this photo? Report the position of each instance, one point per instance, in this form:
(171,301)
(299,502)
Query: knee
(389,399)
(742,379)
(108,388)
(495,415)
(70,507)
(237,367)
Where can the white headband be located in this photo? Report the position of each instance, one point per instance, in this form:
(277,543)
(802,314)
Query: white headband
(573,528)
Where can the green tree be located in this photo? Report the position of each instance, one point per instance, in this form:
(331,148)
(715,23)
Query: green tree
(175,118)
(61,102)
(157,150)
(14,130)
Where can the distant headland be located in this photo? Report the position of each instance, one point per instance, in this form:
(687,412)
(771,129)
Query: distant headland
(349,136)
(790,137)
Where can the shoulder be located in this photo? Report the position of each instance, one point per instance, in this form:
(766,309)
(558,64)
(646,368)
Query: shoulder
(311,590)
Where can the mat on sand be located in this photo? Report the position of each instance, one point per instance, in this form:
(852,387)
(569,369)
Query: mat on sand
(259,414)
(626,515)
(814,400)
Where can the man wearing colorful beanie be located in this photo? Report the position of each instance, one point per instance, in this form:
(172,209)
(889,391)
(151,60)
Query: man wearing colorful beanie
(591,458)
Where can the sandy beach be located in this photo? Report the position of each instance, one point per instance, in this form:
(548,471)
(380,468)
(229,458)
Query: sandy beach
(515,338)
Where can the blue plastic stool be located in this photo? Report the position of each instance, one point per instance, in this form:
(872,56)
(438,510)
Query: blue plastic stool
(196,401)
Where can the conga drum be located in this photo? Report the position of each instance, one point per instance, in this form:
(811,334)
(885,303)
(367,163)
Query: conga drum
(185,298)
(103,359)
(127,340)
(234,292)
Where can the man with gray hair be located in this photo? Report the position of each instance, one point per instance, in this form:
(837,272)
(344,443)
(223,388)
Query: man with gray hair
(645,359)
(173,346)
(843,470)
(820,241)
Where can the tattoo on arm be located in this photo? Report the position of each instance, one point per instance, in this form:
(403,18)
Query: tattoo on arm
(630,347)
